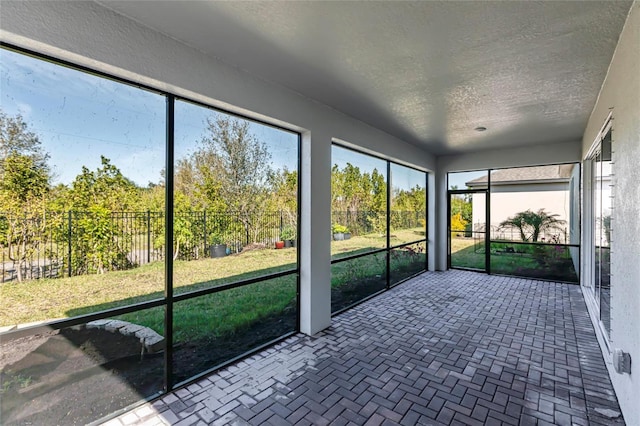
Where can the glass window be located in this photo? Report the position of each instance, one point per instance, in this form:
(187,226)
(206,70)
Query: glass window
(356,279)
(468,180)
(83,230)
(79,374)
(82,192)
(408,205)
(235,198)
(531,220)
(212,329)
(467,230)
(603,204)
(407,261)
(358,202)
(528,216)
(364,221)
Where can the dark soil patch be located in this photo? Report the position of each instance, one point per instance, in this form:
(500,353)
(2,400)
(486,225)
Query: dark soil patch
(73,377)
(559,270)
(349,293)
(194,357)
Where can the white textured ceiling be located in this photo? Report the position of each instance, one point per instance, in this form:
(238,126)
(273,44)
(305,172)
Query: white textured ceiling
(426,72)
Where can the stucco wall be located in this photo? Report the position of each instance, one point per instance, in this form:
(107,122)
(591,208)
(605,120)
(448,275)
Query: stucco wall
(506,201)
(620,94)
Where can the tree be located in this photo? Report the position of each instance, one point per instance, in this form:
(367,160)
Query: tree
(16,138)
(24,182)
(413,200)
(378,192)
(285,194)
(458,225)
(239,167)
(106,187)
(358,199)
(532,224)
(100,242)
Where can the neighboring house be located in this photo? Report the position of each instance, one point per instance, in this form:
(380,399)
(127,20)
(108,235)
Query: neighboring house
(553,188)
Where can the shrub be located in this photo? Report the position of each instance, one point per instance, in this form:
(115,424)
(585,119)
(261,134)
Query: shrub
(216,238)
(458,224)
(288,233)
(339,229)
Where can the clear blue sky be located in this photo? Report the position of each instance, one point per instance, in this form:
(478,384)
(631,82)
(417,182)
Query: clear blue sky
(78,117)
(460,179)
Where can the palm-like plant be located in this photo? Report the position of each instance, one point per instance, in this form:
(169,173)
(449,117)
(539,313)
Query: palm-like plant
(531,224)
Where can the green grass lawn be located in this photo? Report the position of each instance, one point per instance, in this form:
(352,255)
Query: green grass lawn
(48,299)
(39,300)
(535,261)
(467,253)
(222,313)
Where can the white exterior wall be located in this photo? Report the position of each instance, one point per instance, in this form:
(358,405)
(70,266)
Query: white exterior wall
(88,34)
(508,200)
(620,93)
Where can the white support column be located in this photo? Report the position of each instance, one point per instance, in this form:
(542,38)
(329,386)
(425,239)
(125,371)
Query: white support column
(440,236)
(432,241)
(315,243)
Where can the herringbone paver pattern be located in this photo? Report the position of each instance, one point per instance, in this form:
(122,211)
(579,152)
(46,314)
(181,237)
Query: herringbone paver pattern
(452,348)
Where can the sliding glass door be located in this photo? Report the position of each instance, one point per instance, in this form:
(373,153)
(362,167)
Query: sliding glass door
(601,203)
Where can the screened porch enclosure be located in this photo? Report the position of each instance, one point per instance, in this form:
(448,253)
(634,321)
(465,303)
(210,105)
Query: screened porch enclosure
(517,221)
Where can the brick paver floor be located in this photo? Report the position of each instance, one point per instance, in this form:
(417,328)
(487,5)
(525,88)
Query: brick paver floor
(452,348)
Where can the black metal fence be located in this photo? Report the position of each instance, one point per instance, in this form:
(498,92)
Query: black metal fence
(57,244)
(367,222)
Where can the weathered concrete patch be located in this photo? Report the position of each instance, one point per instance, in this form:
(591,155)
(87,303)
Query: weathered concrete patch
(97,323)
(130,329)
(152,341)
(114,325)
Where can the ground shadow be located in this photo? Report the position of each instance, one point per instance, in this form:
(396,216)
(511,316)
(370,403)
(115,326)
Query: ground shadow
(74,376)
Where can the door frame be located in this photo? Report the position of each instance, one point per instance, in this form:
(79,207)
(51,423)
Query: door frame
(487,236)
(589,280)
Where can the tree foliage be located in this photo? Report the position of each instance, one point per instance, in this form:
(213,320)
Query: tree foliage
(17,139)
(461,204)
(531,224)
(24,182)
(355,191)
(284,194)
(241,163)
(360,198)
(458,223)
(230,172)
(24,172)
(104,187)
(414,200)
(95,198)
